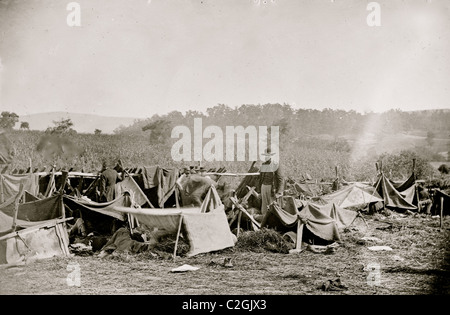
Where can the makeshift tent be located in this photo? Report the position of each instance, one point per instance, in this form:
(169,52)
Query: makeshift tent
(342,216)
(308,189)
(38,210)
(100,217)
(354,195)
(206,229)
(43,240)
(9,185)
(33,229)
(130,185)
(399,196)
(441,203)
(324,222)
(318,222)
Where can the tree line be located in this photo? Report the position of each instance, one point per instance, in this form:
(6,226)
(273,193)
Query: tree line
(297,123)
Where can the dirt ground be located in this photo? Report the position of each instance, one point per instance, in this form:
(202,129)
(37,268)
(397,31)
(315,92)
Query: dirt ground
(418,264)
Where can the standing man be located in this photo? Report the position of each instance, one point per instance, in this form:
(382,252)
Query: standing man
(271,181)
(108,179)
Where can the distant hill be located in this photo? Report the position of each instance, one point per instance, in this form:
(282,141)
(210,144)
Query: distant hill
(82,123)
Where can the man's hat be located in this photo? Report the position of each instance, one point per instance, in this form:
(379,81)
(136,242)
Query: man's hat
(202,169)
(268,152)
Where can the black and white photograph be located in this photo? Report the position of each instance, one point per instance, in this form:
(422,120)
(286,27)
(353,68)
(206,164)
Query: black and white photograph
(225,153)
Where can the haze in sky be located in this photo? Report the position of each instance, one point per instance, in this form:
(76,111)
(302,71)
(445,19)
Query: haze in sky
(144,57)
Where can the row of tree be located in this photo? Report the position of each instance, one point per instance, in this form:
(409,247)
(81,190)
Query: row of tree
(296,123)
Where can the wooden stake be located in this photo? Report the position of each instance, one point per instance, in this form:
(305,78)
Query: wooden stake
(16,206)
(298,244)
(178,236)
(442,212)
(177,196)
(419,208)
(241,208)
(239,223)
(2,198)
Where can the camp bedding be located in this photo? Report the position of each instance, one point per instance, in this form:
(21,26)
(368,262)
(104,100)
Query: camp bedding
(205,231)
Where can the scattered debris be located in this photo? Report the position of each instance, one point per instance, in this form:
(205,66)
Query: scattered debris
(185,268)
(369,240)
(81,249)
(333,285)
(397,258)
(328,249)
(226,262)
(379,248)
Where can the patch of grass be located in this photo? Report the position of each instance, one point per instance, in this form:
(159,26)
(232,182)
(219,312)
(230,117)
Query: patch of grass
(263,240)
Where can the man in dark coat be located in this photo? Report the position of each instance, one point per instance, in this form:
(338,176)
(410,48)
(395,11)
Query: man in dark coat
(271,180)
(108,179)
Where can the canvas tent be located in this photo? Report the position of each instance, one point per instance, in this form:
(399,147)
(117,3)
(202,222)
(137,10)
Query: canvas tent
(400,196)
(206,228)
(99,217)
(39,241)
(324,222)
(354,195)
(9,185)
(33,229)
(308,189)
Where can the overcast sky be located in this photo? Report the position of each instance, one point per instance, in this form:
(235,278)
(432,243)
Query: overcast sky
(143,57)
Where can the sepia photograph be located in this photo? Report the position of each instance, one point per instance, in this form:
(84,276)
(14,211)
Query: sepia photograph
(228,154)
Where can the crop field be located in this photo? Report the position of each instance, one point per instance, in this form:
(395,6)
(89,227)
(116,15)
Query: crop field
(315,157)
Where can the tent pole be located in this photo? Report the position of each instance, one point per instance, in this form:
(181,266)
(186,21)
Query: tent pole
(239,223)
(442,212)
(16,206)
(298,243)
(419,208)
(2,198)
(178,236)
(177,194)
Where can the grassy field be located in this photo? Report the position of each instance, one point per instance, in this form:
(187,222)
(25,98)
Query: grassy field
(354,158)
(419,264)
